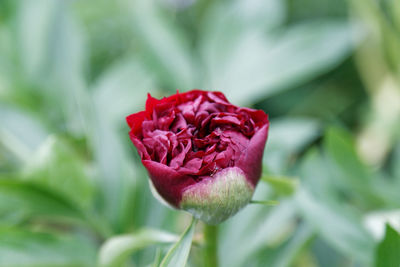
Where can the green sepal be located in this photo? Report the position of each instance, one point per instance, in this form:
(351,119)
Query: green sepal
(217,198)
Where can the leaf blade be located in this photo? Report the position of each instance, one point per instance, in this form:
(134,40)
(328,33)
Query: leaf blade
(35,200)
(387,252)
(178,254)
(116,250)
(20,247)
(282,185)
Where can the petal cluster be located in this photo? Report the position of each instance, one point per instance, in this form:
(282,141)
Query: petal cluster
(190,137)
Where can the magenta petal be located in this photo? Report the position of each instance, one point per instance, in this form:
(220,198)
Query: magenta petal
(251,159)
(139,146)
(168,182)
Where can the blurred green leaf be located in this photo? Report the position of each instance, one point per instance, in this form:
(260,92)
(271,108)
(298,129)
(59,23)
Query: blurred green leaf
(293,134)
(239,16)
(7,8)
(66,48)
(34,200)
(58,167)
(252,13)
(340,229)
(387,252)
(268,228)
(13,128)
(123,88)
(157,258)
(315,176)
(166,48)
(396,13)
(178,254)
(287,137)
(348,169)
(66,63)
(6,58)
(284,186)
(285,254)
(340,146)
(34,27)
(267,64)
(116,172)
(396,163)
(51,53)
(116,250)
(389,44)
(23,248)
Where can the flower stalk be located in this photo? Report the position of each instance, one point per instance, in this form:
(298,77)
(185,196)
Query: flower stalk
(211,245)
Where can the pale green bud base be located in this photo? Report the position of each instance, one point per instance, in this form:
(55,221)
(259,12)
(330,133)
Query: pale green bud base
(216,199)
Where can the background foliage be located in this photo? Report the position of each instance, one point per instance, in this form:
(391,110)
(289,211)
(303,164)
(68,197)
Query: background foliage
(72,190)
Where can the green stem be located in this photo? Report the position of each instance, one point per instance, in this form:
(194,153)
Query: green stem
(211,245)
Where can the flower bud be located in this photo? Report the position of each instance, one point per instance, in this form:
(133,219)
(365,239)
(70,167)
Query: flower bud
(202,153)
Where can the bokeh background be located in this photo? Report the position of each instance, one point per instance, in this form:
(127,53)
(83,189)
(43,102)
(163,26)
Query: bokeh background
(327,73)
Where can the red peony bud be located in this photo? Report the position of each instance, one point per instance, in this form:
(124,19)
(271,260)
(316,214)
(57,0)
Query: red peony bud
(202,153)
